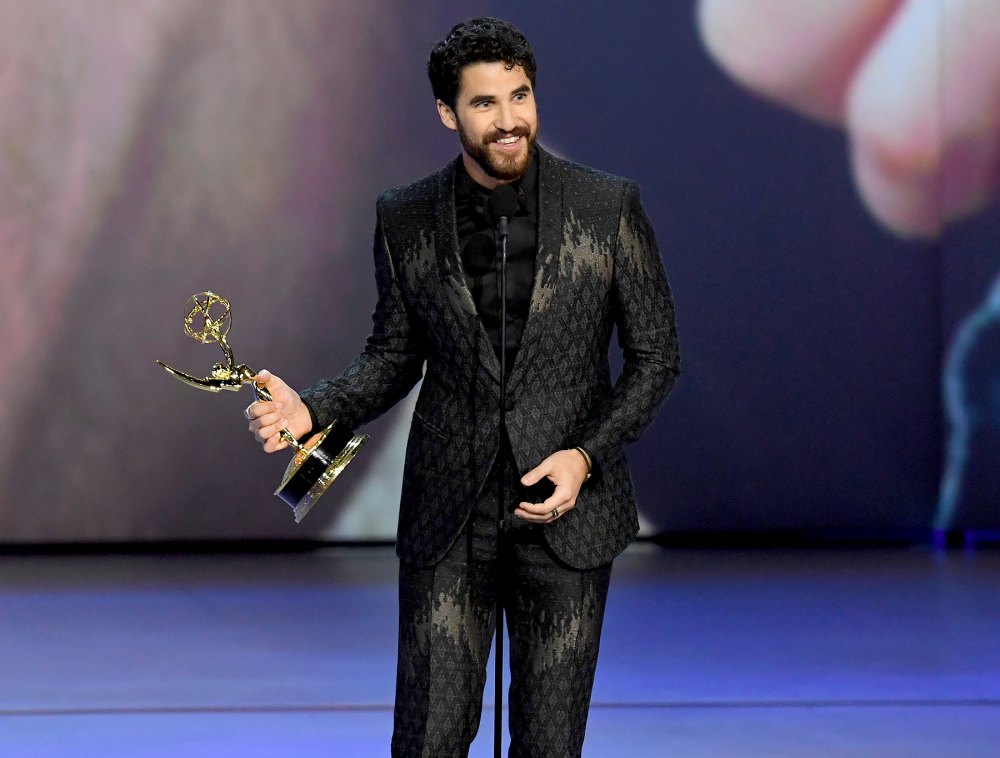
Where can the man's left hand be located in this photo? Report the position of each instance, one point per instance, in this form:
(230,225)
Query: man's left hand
(567,470)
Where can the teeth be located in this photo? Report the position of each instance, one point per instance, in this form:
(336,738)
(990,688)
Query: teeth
(507,140)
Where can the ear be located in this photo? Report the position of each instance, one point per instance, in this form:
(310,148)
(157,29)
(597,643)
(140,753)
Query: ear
(447,115)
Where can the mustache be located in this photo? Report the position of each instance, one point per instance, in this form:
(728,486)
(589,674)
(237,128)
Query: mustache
(517,131)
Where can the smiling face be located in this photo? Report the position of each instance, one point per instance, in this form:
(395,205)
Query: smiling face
(496,121)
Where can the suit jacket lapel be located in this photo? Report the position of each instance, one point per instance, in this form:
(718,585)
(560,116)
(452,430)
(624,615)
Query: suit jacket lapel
(547,262)
(453,272)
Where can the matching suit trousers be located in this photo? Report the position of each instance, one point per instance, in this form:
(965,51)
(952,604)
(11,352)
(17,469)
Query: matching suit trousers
(447,618)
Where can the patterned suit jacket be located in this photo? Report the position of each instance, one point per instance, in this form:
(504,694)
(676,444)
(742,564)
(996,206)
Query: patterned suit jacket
(597,266)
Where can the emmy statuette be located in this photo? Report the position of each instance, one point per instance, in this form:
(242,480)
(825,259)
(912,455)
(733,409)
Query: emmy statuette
(316,463)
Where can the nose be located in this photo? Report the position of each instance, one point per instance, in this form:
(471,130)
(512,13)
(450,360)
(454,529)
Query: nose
(505,120)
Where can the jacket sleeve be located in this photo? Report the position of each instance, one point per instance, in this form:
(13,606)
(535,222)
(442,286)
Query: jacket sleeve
(391,362)
(643,309)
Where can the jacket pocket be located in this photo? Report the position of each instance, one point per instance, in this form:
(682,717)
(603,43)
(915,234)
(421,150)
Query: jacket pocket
(429,426)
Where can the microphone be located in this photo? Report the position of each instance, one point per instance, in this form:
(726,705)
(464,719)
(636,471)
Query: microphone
(502,205)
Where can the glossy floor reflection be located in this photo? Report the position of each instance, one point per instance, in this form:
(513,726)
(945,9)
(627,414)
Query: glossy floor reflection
(775,652)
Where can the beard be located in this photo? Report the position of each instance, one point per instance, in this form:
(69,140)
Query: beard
(501,166)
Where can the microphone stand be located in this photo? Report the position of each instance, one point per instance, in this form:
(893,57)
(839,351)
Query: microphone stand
(502,205)
(501,484)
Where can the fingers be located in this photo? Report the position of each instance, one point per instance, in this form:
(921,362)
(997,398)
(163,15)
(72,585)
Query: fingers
(924,115)
(284,410)
(540,513)
(971,118)
(538,473)
(265,422)
(275,443)
(562,500)
(554,467)
(566,469)
(894,123)
(801,52)
(277,388)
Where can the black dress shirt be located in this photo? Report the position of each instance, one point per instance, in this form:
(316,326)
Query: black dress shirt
(477,241)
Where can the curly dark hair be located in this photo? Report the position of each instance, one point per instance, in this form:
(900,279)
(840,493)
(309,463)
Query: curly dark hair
(478,40)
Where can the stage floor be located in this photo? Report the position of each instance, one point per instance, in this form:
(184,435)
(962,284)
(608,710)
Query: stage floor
(813,652)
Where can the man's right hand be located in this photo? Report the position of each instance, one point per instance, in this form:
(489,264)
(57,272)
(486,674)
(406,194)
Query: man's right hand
(285,411)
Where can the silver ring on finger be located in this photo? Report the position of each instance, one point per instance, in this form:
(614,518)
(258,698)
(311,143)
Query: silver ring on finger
(555,514)
(246,412)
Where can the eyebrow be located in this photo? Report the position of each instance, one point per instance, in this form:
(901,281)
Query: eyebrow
(480,98)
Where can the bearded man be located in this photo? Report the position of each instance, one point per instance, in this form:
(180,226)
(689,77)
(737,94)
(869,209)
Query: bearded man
(582,260)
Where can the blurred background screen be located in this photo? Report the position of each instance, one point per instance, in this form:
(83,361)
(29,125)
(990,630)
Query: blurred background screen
(836,375)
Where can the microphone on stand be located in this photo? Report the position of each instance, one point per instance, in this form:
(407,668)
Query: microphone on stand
(501,205)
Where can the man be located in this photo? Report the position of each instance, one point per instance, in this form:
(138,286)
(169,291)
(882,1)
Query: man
(582,260)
